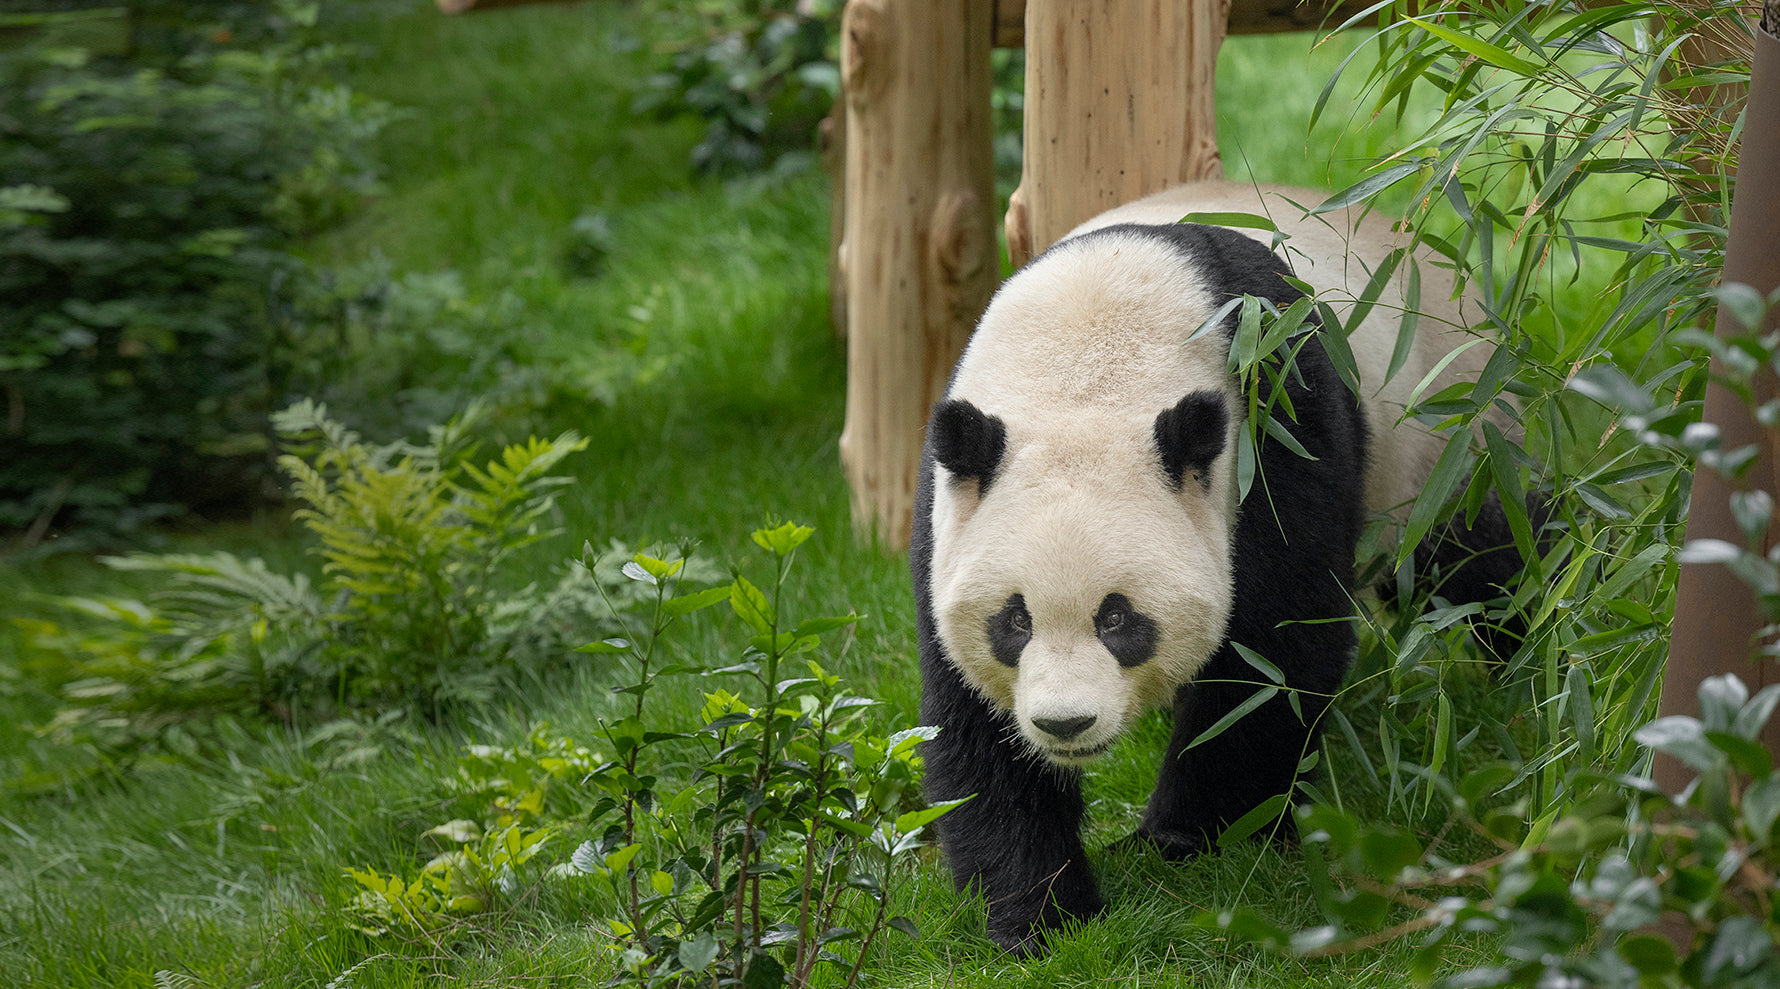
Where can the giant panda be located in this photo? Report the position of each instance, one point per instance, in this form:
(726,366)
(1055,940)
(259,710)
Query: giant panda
(1079,554)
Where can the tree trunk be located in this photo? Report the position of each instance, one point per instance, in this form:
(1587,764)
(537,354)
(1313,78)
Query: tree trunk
(1119,104)
(1717,616)
(919,248)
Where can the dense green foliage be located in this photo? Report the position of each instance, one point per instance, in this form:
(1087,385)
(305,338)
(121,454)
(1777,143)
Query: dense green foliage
(412,538)
(759,73)
(1554,121)
(525,821)
(147,205)
(768,826)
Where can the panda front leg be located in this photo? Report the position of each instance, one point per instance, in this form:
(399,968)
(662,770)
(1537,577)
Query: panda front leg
(1018,839)
(1204,788)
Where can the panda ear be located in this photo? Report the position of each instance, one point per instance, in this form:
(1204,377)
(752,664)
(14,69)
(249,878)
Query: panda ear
(966,442)
(1190,436)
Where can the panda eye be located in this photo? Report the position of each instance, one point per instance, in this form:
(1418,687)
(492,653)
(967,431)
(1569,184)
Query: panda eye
(1009,631)
(1020,619)
(1129,634)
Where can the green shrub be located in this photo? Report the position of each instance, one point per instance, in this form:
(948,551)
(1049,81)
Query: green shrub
(144,214)
(1522,842)
(1546,172)
(753,845)
(408,611)
(761,74)
(397,351)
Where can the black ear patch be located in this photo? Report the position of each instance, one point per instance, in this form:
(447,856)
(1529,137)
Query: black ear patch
(1190,436)
(967,442)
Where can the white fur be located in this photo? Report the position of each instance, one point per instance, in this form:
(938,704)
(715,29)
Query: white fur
(1337,253)
(1078,508)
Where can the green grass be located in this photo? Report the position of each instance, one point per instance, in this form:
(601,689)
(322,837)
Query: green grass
(228,870)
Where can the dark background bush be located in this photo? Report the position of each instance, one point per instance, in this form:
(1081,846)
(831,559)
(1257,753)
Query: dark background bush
(148,198)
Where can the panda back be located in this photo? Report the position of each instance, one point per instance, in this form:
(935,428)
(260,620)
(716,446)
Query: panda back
(1337,253)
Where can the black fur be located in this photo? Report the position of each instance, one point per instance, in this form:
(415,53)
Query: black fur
(1129,634)
(1009,631)
(1019,840)
(1190,436)
(967,442)
(1479,562)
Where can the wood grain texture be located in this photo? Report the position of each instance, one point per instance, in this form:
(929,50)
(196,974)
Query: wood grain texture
(1119,104)
(919,248)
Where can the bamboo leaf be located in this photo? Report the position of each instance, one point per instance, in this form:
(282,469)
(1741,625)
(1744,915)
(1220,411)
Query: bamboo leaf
(1253,701)
(1477,47)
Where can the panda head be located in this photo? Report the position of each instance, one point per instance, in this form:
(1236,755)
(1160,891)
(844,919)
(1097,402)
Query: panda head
(1081,546)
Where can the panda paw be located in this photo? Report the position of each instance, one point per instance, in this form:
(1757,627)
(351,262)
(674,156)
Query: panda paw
(1023,926)
(1173,847)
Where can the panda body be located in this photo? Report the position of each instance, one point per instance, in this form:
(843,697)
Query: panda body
(1079,554)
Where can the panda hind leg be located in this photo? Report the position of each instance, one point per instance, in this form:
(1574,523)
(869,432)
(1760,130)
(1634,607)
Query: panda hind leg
(1479,564)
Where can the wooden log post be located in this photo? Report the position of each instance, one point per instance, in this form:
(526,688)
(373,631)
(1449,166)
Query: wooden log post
(1717,617)
(1119,104)
(919,247)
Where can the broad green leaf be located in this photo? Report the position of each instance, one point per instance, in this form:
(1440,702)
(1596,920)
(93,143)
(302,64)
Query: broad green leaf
(1682,737)
(686,604)
(586,858)
(782,539)
(752,606)
(620,860)
(697,954)
(605,646)
(908,738)
(1609,386)
(1761,807)
(1650,954)
(906,823)
(659,569)
(1753,715)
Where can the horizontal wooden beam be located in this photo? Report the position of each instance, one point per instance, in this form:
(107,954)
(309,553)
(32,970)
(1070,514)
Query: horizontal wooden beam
(1246,17)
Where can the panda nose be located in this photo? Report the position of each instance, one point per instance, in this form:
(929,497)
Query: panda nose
(1064,729)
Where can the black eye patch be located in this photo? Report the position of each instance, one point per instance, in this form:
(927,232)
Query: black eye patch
(1129,634)
(1009,631)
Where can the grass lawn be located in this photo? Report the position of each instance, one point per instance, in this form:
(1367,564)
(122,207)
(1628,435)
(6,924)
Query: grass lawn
(229,871)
